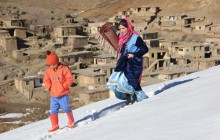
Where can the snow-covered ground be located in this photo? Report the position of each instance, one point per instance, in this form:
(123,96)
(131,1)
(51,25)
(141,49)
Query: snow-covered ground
(186,108)
(13,115)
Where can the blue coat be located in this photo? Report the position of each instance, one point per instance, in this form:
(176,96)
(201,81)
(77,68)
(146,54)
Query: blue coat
(125,79)
(133,67)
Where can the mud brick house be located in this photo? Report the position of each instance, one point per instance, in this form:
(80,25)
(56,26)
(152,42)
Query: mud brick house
(114,21)
(201,26)
(154,9)
(166,44)
(8,43)
(123,14)
(86,77)
(214,28)
(154,59)
(143,14)
(170,74)
(94,95)
(149,35)
(62,40)
(27,84)
(186,21)
(108,69)
(171,17)
(151,39)
(24,54)
(104,59)
(176,22)
(93,28)
(68,30)
(205,63)
(214,40)
(185,53)
(154,43)
(85,57)
(41,30)
(77,42)
(214,50)
(14,22)
(195,49)
(19,32)
(4,33)
(140,27)
(142,10)
(69,20)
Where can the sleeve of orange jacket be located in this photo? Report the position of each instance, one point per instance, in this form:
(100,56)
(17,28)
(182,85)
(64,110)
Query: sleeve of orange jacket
(68,78)
(47,81)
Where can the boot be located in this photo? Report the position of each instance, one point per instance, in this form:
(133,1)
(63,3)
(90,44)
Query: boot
(130,98)
(54,122)
(70,120)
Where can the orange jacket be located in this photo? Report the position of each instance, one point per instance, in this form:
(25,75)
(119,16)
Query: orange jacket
(59,81)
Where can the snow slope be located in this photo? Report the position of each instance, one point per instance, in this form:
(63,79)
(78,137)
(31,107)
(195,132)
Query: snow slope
(185,108)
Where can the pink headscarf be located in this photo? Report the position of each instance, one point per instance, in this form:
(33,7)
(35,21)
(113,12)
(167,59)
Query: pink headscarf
(126,36)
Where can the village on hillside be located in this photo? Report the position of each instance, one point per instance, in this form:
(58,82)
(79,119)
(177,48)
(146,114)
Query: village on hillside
(76,45)
(179,44)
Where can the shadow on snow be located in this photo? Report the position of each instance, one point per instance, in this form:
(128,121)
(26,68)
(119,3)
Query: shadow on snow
(103,112)
(170,85)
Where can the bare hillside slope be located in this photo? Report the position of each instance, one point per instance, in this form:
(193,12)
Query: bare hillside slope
(99,10)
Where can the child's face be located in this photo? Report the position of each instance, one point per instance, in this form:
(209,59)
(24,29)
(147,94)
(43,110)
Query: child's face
(53,66)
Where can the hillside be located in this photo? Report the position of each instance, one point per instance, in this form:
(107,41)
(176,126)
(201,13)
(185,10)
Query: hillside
(99,10)
(176,112)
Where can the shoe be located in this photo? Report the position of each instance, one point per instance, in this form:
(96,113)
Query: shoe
(130,98)
(70,120)
(54,122)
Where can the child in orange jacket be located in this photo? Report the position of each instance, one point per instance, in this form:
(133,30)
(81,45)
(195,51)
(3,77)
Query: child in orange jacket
(58,78)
